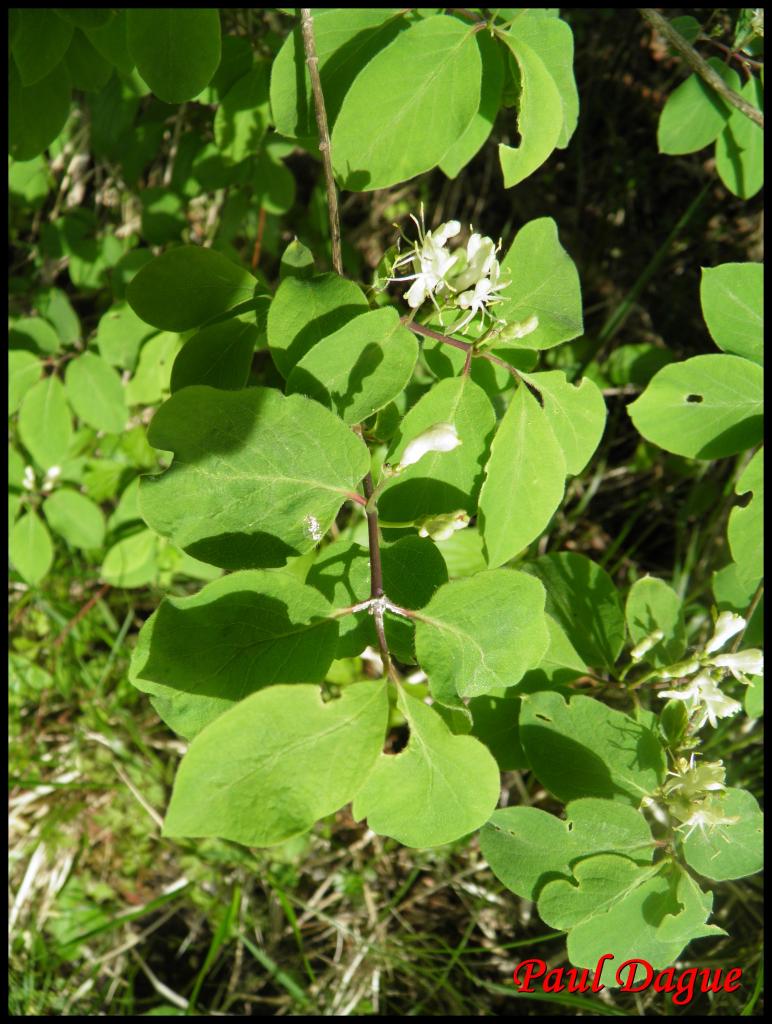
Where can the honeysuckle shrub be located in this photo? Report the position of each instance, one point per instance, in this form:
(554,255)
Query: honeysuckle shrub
(364,508)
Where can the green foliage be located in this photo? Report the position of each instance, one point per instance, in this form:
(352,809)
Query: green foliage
(394,628)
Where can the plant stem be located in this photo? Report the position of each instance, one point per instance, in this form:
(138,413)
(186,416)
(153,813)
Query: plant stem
(427,332)
(307,27)
(376,571)
(700,65)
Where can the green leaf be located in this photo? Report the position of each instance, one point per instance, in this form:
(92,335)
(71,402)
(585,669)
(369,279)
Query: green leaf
(29,182)
(87,17)
(55,306)
(23,372)
(746,525)
(236,60)
(730,850)
(220,356)
(575,411)
(75,517)
(440,481)
(111,40)
(732,297)
(203,654)
(304,311)
(582,598)
(526,847)
(540,117)
(583,748)
(360,368)
(95,392)
(297,260)
(652,604)
(754,698)
(120,334)
(150,383)
(694,113)
(341,573)
(269,767)
(36,113)
(44,422)
(176,51)
(524,480)
(346,40)
(34,334)
(87,68)
(41,41)
(543,283)
(132,562)
(633,912)
(257,477)
(553,42)
(706,407)
(427,109)
(481,125)
(421,796)
(185,286)
(636,363)
(31,550)
(740,147)
(242,118)
(481,634)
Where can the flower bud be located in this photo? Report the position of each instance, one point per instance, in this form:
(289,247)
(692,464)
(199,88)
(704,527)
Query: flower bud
(442,437)
(28,480)
(727,625)
(646,644)
(443,526)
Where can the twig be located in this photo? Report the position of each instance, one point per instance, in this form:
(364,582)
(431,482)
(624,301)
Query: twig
(82,613)
(307,27)
(259,239)
(376,570)
(700,65)
(376,574)
(427,332)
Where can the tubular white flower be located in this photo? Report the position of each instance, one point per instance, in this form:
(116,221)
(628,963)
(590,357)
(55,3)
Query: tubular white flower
(480,257)
(442,437)
(431,261)
(705,700)
(741,664)
(484,294)
(728,624)
(28,479)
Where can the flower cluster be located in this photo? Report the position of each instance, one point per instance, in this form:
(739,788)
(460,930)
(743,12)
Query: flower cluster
(693,795)
(703,698)
(467,279)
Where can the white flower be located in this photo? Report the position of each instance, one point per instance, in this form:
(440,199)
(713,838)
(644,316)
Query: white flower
(706,816)
(442,437)
(480,257)
(28,479)
(728,624)
(645,645)
(431,261)
(692,781)
(741,664)
(484,294)
(50,478)
(705,700)
(443,526)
